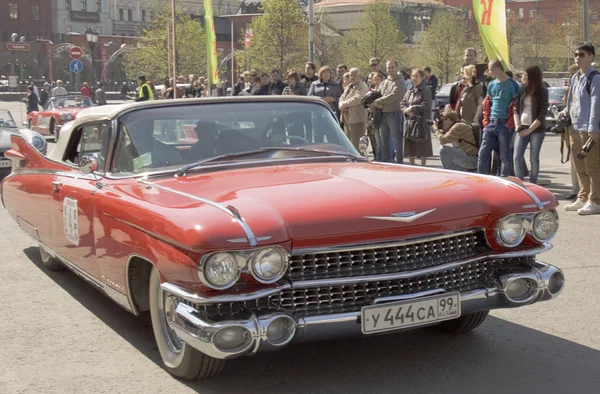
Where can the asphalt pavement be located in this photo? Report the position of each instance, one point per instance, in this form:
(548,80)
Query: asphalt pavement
(60,335)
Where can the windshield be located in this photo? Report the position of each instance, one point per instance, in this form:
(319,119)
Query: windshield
(6,119)
(556,95)
(170,137)
(70,102)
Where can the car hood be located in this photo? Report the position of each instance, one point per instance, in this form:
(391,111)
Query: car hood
(324,203)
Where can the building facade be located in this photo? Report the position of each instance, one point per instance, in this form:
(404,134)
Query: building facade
(75,16)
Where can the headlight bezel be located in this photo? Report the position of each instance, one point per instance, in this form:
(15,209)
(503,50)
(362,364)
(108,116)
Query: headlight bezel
(245,263)
(528,224)
(500,239)
(533,220)
(42,142)
(66,116)
(257,276)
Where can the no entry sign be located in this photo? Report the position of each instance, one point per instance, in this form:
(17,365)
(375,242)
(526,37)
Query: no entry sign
(75,53)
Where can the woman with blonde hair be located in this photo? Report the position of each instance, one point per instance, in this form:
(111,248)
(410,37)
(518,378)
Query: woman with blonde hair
(469,104)
(326,88)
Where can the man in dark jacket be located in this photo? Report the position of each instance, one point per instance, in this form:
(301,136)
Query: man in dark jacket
(276,86)
(432,83)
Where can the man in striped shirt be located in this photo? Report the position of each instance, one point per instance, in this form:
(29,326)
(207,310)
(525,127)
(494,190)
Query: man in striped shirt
(462,155)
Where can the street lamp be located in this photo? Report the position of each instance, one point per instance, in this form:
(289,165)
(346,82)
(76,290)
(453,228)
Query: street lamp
(92,38)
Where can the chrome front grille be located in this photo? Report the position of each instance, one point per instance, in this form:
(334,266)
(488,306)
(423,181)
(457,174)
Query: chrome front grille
(352,297)
(390,258)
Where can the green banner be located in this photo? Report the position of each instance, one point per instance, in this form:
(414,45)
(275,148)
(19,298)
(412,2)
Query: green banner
(211,43)
(491,19)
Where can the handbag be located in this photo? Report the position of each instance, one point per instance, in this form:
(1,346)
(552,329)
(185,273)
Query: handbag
(416,128)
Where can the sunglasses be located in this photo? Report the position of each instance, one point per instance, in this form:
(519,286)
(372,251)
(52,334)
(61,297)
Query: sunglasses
(579,54)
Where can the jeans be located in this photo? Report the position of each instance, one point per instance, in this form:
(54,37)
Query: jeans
(377,152)
(495,134)
(521,143)
(456,159)
(391,129)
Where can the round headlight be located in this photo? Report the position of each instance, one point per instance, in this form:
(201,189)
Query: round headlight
(38,142)
(221,270)
(269,265)
(510,231)
(545,225)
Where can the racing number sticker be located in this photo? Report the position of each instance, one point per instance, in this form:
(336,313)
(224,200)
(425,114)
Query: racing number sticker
(70,221)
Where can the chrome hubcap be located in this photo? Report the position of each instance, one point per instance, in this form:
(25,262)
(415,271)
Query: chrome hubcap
(169,305)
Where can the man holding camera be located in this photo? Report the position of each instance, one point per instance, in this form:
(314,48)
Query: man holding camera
(462,155)
(583,108)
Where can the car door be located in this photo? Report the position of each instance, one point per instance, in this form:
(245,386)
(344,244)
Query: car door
(75,196)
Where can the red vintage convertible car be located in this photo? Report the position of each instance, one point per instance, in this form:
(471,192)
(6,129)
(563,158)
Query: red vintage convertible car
(60,110)
(268,228)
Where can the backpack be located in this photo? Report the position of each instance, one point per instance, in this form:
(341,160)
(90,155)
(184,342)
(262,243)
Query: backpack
(588,83)
(476,129)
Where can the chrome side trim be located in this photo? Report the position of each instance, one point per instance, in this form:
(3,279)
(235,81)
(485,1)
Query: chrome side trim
(382,300)
(531,206)
(404,217)
(230,210)
(224,298)
(242,240)
(522,187)
(121,299)
(389,244)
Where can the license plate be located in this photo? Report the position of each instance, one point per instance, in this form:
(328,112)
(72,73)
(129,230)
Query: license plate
(5,163)
(410,313)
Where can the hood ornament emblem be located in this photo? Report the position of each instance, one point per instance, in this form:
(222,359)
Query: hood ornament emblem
(404,217)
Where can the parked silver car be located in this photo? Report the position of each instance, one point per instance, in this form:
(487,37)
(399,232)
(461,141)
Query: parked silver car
(8,126)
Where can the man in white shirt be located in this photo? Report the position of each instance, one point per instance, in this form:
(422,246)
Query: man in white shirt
(59,90)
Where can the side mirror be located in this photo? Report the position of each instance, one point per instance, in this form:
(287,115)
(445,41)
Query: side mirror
(87,165)
(363,145)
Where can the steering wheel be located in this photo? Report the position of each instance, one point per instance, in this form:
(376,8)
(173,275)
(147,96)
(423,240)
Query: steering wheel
(297,138)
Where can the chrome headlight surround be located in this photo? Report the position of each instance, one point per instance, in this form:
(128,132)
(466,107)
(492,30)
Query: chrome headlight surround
(66,116)
(507,224)
(550,218)
(39,143)
(260,265)
(251,262)
(229,265)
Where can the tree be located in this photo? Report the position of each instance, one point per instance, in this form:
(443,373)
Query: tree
(279,36)
(516,36)
(443,43)
(328,43)
(154,56)
(374,34)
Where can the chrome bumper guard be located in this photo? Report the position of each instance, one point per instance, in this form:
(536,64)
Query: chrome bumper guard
(544,282)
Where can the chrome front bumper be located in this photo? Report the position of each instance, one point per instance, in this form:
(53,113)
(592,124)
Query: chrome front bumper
(200,333)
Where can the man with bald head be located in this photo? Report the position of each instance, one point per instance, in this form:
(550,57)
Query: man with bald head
(354,114)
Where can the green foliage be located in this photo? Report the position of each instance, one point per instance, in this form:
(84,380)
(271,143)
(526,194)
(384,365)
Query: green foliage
(154,55)
(279,37)
(328,44)
(443,44)
(374,34)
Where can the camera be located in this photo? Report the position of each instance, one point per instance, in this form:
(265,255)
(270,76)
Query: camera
(437,120)
(585,149)
(562,122)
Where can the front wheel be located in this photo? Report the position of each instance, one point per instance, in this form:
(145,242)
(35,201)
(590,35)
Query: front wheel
(179,358)
(463,324)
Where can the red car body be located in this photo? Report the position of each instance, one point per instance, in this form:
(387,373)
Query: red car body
(330,216)
(60,110)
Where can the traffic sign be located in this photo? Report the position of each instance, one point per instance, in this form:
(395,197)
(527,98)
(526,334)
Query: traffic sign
(75,53)
(17,47)
(76,66)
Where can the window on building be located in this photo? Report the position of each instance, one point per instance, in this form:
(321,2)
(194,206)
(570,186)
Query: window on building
(121,14)
(595,15)
(130,15)
(68,4)
(521,13)
(532,13)
(35,12)
(13,11)
(551,18)
(143,15)
(508,12)
(470,14)
(98,5)
(83,5)
(69,28)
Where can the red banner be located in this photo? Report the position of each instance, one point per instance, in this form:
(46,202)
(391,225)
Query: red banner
(50,71)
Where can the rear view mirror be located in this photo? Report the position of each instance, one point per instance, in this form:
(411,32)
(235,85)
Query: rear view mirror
(363,145)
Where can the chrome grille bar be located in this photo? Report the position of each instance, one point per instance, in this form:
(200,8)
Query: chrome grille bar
(385,258)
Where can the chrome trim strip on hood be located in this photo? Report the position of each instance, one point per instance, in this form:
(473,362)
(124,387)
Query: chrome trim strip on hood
(230,210)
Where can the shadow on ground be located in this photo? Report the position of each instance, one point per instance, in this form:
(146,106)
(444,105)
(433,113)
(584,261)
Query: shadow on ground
(499,357)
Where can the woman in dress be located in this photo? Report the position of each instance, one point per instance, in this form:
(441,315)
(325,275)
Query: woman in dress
(417,103)
(530,111)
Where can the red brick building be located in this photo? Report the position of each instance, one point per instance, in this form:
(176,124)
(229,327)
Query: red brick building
(552,10)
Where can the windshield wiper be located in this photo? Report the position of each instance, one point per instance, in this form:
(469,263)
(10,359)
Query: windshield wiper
(181,171)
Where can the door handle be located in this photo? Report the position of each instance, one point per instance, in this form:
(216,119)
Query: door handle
(57,185)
